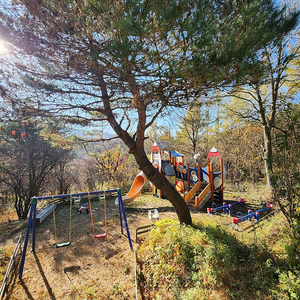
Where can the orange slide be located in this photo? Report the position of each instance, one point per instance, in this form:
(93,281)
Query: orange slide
(136,188)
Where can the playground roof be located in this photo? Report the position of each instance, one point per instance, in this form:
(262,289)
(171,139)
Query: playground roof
(174,153)
(163,146)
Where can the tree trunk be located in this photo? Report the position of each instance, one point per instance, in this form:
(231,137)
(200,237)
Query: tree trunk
(268,155)
(22,207)
(161,182)
(136,147)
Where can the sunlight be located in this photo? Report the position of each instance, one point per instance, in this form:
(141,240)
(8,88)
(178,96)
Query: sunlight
(3,48)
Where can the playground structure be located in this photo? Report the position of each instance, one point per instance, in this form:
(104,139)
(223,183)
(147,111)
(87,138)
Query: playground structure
(225,207)
(202,183)
(252,215)
(138,183)
(31,224)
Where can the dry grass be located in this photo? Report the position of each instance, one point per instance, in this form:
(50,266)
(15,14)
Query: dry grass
(104,269)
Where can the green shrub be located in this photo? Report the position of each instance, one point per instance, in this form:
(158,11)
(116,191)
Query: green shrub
(179,262)
(289,285)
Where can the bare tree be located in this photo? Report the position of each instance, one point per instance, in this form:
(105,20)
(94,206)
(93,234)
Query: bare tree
(62,176)
(26,160)
(193,125)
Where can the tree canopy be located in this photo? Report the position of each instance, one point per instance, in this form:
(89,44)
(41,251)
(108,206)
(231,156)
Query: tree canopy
(127,62)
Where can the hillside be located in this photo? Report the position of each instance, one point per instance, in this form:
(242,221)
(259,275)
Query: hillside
(211,261)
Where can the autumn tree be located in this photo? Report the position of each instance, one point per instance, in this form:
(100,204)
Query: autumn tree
(240,146)
(25,162)
(127,62)
(112,164)
(260,98)
(159,133)
(192,126)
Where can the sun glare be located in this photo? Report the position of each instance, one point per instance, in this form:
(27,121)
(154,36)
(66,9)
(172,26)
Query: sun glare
(3,49)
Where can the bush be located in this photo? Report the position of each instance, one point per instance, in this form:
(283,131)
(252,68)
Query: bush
(181,262)
(289,284)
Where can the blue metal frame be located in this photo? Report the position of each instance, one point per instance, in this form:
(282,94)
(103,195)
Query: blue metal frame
(29,223)
(224,207)
(251,215)
(32,220)
(121,204)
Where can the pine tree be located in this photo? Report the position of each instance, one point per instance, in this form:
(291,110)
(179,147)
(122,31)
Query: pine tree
(127,62)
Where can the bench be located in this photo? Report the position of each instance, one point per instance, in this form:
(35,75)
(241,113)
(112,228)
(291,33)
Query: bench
(44,213)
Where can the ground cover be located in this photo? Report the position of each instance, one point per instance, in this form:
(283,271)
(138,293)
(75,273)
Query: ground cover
(104,269)
(88,268)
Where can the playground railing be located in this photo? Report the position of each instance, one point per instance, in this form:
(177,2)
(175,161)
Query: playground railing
(225,207)
(192,192)
(201,199)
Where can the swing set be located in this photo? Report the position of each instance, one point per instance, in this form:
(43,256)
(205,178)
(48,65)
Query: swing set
(96,236)
(31,224)
(102,235)
(70,226)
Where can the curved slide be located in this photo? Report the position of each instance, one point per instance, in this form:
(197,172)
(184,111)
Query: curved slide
(136,188)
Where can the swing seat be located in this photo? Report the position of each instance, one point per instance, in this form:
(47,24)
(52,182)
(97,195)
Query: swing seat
(63,244)
(100,236)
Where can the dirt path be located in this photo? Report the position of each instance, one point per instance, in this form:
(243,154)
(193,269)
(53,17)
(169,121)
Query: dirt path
(87,269)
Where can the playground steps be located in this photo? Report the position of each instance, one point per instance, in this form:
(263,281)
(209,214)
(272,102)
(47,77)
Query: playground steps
(198,187)
(44,213)
(192,193)
(201,197)
(217,195)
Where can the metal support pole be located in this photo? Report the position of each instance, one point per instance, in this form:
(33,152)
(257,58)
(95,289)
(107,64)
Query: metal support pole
(120,213)
(124,216)
(25,242)
(33,203)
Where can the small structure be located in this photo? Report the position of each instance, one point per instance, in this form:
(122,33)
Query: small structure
(252,215)
(161,158)
(202,183)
